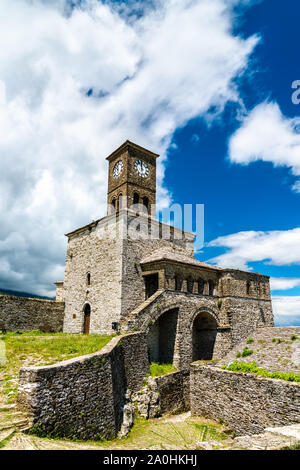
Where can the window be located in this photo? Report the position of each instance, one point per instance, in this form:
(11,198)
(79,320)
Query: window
(120,201)
(88,279)
(146,203)
(178,283)
(200,286)
(211,287)
(113,203)
(136,198)
(248,287)
(190,285)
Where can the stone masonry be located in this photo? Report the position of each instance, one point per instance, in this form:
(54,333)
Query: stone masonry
(247,403)
(85,397)
(128,271)
(25,314)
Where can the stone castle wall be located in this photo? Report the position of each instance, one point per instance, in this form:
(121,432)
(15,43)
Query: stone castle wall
(99,255)
(25,314)
(174,392)
(84,397)
(247,403)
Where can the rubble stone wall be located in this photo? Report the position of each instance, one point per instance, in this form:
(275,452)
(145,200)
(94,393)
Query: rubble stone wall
(248,403)
(25,314)
(84,397)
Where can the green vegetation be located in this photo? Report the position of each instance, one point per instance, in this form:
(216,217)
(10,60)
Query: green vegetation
(277,340)
(250,340)
(157,370)
(36,348)
(294,337)
(252,368)
(246,352)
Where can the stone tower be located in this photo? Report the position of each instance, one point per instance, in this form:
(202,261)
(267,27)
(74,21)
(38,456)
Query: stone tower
(131,178)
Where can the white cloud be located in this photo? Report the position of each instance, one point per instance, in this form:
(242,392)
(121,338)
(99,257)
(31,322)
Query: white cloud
(276,247)
(284,283)
(267,135)
(286,310)
(149,75)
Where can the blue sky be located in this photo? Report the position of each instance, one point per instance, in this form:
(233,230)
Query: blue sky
(205,83)
(256,197)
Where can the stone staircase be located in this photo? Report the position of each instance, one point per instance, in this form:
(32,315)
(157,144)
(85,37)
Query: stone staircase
(129,323)
(12,422)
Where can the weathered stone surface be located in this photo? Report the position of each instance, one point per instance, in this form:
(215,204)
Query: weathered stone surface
(247,403)
(25,314)
(85,396)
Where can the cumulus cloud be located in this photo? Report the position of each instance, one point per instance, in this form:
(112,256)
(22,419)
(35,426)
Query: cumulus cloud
(74,84)
(276,247)
(286,310)
(266,134)
(284,283)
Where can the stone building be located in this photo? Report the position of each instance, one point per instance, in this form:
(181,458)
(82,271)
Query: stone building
(128,272)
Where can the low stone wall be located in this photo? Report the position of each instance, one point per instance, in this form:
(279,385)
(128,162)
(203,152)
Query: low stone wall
(248,403)
(25,314)
(174,391)
(84,397)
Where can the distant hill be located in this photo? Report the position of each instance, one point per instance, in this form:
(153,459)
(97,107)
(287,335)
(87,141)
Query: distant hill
(24,294)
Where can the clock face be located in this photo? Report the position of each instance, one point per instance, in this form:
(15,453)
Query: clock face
(141,168)
(118,169)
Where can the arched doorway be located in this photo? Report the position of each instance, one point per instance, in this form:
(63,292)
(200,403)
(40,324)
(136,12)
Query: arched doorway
(87,319)
(204,336)
(162,338)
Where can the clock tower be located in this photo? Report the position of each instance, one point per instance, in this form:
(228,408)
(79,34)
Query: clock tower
(131,178)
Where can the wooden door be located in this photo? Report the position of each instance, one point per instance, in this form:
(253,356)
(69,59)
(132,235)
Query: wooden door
(87,319)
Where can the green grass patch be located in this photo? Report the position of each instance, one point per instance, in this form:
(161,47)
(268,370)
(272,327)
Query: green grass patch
(252,368)
(246,352)
(36,348)
(157,370)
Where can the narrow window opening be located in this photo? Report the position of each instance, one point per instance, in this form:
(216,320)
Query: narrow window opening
(248,287)
(88,279)
(136,199)
(190,285)
(146,204)
(200,286)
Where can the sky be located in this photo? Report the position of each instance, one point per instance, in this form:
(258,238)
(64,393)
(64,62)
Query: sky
(207,84)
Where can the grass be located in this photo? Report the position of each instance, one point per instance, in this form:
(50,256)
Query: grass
(36,348)
(156,370)
(252,368)
(146,434)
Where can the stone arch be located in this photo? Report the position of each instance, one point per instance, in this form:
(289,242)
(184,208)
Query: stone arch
(161,337)
(204,328)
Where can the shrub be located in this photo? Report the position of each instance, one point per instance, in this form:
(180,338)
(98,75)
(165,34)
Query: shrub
(246,352)
(294,337)
(250,340)
(252,368)
(238,354)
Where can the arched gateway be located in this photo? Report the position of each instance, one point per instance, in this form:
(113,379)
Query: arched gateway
(162,337)
(204,332)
